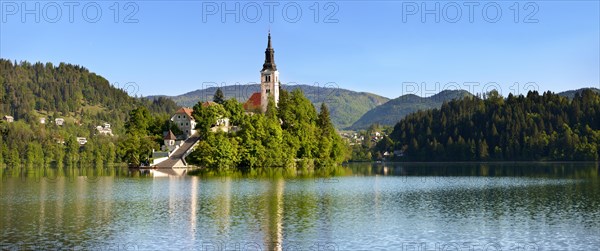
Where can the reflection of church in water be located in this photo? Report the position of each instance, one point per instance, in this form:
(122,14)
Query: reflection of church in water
(269,83)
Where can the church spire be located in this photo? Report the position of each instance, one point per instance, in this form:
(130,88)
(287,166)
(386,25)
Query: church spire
(269,57)
(269,43)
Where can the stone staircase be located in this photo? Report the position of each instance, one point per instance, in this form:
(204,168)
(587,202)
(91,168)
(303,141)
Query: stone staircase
(177,159)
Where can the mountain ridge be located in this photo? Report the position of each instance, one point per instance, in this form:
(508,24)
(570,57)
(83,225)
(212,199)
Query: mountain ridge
(409,103)
(348,107)
(394,110)
(571,93)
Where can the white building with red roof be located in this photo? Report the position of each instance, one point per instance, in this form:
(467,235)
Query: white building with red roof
(184,120)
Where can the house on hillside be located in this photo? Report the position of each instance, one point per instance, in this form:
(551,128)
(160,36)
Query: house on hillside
(8,119)
(59,121)
(184,121)
(104,130)
(42,120)
(81,140)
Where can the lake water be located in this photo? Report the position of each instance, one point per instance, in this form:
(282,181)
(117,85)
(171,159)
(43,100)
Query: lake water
(357,207)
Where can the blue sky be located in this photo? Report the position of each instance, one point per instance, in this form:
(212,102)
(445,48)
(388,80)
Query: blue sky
(383,47)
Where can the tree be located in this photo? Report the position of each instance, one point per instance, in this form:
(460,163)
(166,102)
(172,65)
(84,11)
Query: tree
(139,121)
(1,153)
(234,109)
(271,112)
(14,160)
(324,122)
(206,116)
(219,98)
(483,150)
(136,150)
(35,155)
(216,152)
(385,144)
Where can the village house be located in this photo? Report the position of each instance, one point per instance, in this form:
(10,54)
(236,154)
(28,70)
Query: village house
(42,120)
(8,119)
(81,140)
(104,130)
(59,121)
(184,121)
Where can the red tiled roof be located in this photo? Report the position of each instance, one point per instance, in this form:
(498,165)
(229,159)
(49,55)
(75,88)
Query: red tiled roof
(185,110)
(253,102)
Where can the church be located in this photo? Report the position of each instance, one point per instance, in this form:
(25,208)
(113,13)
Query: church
(175,148)
(269,83)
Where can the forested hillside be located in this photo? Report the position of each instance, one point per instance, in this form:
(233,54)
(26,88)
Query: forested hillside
(532,127)
(85,100)
(345,106)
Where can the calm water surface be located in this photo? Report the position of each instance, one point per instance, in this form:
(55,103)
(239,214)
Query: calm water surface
(358,207)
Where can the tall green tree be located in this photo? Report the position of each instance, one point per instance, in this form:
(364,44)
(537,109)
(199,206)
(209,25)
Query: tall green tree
(234,109)
(139,121)
(206,116)
(219,98)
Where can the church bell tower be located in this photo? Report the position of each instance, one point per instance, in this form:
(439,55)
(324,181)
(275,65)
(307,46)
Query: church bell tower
(269,78)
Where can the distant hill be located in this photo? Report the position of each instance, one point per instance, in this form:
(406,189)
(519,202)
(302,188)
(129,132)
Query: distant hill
(394,110)
(345,106)
(570,94)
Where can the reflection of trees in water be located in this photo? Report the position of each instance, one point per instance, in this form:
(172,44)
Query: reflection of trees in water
(273,225)
(577,170)
(269,205)
(544,192)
